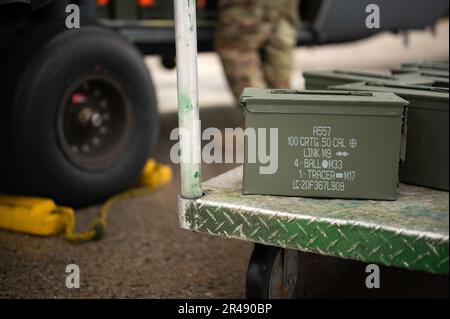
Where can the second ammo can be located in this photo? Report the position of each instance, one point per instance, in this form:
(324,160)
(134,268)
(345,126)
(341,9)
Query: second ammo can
(436,65)
(424,78)
(433,72)
(321,80)
(427,149)
(329,144)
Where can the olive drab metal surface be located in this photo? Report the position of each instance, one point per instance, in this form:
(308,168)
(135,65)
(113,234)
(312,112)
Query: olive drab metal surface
(425,78)
(427,155)
(435,72)
(436,65)
(330,144)
(426,66)
(321,80)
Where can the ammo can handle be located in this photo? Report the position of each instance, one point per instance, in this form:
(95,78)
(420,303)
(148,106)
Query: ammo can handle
(340,93)
(412,87)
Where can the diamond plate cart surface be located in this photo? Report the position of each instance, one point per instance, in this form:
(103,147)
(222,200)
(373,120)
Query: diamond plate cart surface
(411,233)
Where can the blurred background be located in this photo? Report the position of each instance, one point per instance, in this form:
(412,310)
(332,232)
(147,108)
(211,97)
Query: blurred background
(379,53)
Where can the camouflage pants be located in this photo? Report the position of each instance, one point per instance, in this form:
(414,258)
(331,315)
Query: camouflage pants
(255,40)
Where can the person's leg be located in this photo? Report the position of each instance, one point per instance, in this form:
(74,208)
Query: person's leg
(240,35)
(278,53)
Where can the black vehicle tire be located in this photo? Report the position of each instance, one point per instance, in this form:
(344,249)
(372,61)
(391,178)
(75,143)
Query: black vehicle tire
(13,11)
(53,66)
(263,274)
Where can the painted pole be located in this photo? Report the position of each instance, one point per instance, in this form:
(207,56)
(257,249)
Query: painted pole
(188,111)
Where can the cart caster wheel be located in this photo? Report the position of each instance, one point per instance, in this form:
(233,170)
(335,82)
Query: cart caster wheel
(272,273)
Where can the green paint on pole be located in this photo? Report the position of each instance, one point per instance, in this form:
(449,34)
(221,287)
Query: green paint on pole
(186,103)
(191,20)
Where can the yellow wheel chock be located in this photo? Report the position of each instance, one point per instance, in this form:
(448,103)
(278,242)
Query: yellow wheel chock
(42,217)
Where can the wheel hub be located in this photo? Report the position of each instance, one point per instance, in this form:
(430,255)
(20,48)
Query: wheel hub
(89,117)
(94,122)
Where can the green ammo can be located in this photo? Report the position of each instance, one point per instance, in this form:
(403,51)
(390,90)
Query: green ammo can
(435,72)
(425,78)
(427,155)
(329,144)
(321,80)
(436,65)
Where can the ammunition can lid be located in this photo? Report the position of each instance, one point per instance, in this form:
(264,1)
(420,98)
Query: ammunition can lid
(322,102)
(356,75)
(442,65)
(419,96)
(423,78)
(427,71)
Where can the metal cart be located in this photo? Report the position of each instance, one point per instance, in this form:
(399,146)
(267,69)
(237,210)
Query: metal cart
(410,233)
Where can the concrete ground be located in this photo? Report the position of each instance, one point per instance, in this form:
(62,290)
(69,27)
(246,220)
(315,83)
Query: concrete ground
(146,255)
